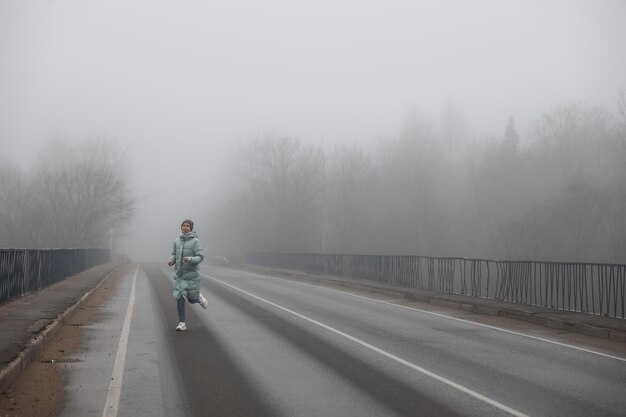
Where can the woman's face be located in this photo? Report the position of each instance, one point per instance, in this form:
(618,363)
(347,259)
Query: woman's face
(185,228)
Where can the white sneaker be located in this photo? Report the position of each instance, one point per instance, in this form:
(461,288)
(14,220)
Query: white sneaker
(181,327)
(203,302)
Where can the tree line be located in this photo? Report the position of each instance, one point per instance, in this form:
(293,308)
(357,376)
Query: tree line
(555,193)
(74,197)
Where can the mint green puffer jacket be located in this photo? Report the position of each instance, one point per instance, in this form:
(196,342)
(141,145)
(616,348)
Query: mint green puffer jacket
(186,275)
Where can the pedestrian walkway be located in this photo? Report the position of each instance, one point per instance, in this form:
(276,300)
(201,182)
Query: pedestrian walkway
(27,323)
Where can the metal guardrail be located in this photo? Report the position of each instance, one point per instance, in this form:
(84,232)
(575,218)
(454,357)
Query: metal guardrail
(23,271)
(583,287)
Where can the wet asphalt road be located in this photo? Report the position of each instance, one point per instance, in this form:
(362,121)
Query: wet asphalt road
(272,347)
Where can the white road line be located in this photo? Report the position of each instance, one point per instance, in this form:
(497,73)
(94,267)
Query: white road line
(500,329)
(404,362)
(115,388)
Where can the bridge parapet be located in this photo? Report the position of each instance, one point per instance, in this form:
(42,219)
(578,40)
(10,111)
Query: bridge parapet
(23,271)
(582,287)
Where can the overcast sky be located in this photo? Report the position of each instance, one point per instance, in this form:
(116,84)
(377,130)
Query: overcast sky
(177,80)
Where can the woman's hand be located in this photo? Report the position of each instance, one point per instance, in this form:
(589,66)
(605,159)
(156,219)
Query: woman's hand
(170,262)
(187,259)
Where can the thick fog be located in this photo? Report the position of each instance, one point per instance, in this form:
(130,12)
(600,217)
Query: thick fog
(195,93)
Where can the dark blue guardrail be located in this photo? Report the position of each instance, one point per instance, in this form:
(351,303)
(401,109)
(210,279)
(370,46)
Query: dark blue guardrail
(23,271)
(583,287)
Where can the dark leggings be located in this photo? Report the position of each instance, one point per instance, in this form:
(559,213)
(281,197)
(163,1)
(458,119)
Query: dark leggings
(180,304)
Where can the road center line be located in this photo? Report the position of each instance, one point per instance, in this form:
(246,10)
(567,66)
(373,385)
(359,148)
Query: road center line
(115,387)
(397,359)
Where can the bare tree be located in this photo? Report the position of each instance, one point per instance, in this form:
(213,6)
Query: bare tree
(563,214)
(281,195)
(412,168)
(14,202)
(350,223)
(616,212)
(570,139)
(78,193)
(453,128)
(499,194)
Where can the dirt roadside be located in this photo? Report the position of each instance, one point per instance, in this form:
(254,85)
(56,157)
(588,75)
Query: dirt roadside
(38,391)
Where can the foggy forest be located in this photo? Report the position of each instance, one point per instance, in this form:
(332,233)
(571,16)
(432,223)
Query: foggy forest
(555,193)
(431,191)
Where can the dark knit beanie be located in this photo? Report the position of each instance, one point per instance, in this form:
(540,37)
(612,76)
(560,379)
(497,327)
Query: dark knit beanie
(189,222)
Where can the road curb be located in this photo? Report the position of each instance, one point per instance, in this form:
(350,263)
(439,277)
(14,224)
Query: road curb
(14,368)
(617,336)
(538,318)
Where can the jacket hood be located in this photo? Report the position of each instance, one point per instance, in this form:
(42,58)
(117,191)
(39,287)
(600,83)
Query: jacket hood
(188,236)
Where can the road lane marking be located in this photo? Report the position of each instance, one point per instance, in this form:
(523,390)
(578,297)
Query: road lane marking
(500,329)
(382,352)
(115,387)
